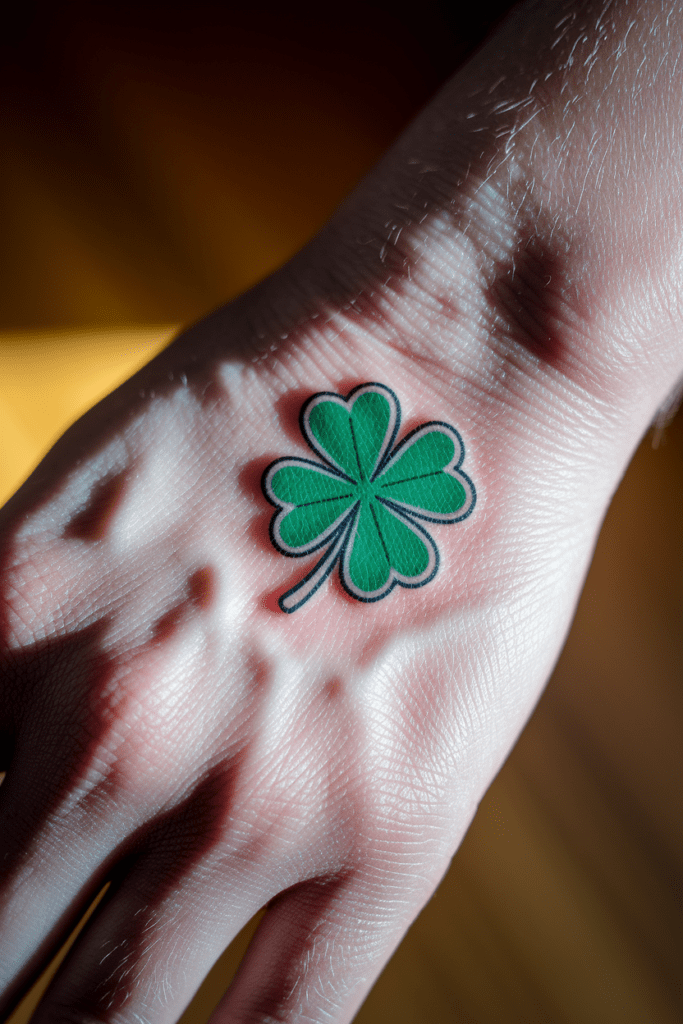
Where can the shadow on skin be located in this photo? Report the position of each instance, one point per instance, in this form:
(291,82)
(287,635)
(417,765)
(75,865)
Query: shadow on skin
(199,593)
(50,771)
(526,297)
(92,522)
(289,927)
(62,711)
(152,864)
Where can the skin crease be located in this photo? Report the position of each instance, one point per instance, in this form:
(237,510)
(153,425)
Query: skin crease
(511,267)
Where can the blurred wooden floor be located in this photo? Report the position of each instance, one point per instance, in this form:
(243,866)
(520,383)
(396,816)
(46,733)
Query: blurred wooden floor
(156,162)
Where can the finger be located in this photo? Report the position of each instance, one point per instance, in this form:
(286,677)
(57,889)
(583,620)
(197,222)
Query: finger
(172,909)
(320,947)
(83,781)
(42,803)
(66,817)
(72,830)
(44,894)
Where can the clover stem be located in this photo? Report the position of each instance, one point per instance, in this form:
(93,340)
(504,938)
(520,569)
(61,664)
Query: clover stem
(307,587)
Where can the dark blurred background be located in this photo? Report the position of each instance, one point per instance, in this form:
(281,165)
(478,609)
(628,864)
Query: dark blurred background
(158,158)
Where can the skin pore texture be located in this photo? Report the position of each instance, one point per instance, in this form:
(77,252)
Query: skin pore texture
(513,268)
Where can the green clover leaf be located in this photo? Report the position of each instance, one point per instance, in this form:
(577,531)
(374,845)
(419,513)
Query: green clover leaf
(363,502)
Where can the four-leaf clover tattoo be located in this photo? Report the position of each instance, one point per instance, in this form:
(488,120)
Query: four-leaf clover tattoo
(364,500)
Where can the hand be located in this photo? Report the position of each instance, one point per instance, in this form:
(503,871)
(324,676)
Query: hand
(168,728)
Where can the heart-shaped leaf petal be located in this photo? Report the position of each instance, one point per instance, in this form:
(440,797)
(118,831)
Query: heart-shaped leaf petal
(362,501)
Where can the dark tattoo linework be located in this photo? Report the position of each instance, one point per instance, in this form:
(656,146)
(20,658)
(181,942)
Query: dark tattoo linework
(364,501)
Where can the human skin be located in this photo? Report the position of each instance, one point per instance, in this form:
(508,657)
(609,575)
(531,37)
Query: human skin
(512,267)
